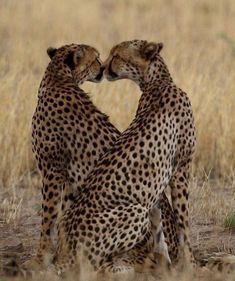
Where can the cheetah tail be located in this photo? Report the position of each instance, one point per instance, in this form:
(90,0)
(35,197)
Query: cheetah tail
(219,262)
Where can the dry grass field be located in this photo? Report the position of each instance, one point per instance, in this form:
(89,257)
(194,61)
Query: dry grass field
(199,48)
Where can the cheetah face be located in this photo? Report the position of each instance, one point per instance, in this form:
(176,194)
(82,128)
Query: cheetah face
(80,62)
(131,60)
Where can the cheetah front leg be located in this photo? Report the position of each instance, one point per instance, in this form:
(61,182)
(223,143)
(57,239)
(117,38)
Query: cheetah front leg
(54,181)
(159,243)
(169,226)
(180,191)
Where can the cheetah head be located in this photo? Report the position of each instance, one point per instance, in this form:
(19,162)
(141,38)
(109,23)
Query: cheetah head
(80,62)
(131,60)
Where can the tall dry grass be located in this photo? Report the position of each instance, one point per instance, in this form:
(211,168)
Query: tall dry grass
(199,50)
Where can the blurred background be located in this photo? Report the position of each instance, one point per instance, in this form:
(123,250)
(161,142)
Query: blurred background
(199,49)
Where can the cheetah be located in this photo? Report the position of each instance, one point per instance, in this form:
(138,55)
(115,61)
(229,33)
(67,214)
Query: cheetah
(166,110)
(68,131)
(69,134)
(111,213)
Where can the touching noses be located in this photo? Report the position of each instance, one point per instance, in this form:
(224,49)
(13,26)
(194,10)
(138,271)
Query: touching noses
(106,64)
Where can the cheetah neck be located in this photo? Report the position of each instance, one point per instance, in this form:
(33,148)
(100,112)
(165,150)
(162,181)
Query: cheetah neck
(156,76)
(59,85)
(156,79)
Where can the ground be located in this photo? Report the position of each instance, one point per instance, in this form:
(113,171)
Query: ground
(19,225)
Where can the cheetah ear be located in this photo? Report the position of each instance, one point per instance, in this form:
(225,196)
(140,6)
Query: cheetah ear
(69,60)
(51,52)
(150,50)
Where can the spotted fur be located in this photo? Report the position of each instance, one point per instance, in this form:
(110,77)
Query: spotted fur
(69,134)
(68,131)
(166,124)
(111,215)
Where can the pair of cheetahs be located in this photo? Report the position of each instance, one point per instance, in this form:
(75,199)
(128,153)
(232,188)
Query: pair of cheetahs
(105,189)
